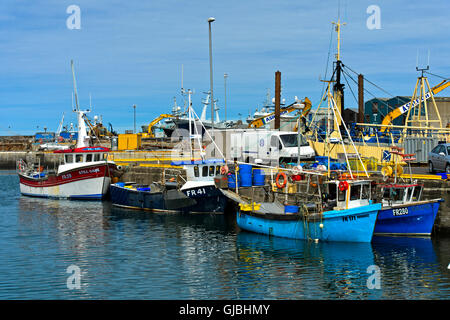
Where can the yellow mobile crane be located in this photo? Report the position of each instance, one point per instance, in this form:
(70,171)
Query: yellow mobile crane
(257,123)
(404,108)
(149,133)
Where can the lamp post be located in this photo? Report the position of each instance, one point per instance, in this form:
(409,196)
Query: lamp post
(210,20)
(134,111)
(225,76)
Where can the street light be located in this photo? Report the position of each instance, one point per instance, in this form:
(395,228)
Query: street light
(225,76)
(210,20)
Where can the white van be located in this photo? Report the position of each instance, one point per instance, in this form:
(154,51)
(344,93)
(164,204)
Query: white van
(267,145)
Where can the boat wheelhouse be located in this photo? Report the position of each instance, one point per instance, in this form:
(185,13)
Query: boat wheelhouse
(404,213)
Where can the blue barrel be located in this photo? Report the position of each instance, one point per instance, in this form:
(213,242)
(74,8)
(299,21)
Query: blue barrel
(120,184)
(290,209)
(232,180)
(258,177)
(245,173)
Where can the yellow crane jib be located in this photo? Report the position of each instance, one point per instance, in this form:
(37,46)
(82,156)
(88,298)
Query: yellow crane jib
(404,108)
(149,132)
(257,123)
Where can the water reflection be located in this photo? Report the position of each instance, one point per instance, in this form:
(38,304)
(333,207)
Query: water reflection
(410,267)
(303,269)
(128,254)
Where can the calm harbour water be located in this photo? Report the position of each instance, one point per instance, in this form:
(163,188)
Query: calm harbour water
(126,254)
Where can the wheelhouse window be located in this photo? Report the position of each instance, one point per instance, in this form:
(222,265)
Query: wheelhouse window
(397,194)
(68,158)
(78,158)
(355,192)
(332,191)
(365,192)
(89,157)
(217,170)
(341,195)
(97,157)
(408,194)
(416,193)
(211,171)
(196,172)
(205,171)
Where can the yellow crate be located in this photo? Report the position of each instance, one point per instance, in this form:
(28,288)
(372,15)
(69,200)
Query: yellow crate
(370,164)
(291,188)
(129,141)
(250,207)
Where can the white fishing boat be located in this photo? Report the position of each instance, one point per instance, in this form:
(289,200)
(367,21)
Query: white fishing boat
(83,173)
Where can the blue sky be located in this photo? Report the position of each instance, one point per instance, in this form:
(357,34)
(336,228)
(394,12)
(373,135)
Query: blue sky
(131,52)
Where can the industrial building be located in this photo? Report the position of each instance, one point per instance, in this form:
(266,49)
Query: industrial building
(377,108)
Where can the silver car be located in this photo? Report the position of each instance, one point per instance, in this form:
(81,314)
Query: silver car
(439,158)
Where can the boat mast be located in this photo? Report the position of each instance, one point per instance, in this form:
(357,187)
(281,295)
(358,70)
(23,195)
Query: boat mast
(83,138)
(338,87)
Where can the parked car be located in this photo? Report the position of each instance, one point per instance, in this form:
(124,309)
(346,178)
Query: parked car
(439,158)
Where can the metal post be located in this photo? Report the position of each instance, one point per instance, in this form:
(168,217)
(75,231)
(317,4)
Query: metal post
(277,99)
(210,20)
(361,98)
(225,76)
(134,111)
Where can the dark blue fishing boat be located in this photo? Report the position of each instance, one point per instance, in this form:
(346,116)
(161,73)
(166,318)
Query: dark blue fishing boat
(198,194)
(403,213)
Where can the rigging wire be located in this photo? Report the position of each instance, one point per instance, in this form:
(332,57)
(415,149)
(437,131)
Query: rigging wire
(378,87)
(389,107)
(351,90)
(437,75)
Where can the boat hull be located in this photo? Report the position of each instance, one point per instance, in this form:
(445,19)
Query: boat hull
(90,183)
(350,225)
(206,199)
(411,219)
(135,199)
(209,200)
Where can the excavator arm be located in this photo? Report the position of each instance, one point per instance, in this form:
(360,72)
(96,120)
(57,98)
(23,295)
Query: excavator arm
(404,108)
(158,119)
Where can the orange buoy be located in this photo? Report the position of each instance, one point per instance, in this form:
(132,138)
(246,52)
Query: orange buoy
(281,174)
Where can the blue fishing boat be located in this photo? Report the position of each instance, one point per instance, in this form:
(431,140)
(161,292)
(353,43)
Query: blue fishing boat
(345,213)
(404,213)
